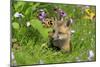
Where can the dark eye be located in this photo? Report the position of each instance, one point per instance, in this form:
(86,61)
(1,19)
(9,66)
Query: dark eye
(53,31)
(60,32)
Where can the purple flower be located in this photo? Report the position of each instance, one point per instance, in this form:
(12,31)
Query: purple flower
(62,13)
(42,15)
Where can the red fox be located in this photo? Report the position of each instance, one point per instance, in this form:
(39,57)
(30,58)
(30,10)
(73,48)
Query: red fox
(61,35)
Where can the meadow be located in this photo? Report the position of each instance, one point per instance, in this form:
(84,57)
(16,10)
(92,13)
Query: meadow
(30,38)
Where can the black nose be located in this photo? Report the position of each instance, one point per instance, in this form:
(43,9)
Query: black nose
(57,37)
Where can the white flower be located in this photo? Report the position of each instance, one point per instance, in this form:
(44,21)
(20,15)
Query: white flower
(13,59)
(17,14)
(41,10)
(28,24)
(78,59)
(87,6)
(12,56)
(72,31)
(90,59)
(90,55)
(41,62)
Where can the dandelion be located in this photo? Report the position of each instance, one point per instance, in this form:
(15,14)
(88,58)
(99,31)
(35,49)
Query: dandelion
(28,24)
(17,15)
(90,55)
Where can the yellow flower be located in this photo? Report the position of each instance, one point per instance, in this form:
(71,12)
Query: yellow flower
(90,15)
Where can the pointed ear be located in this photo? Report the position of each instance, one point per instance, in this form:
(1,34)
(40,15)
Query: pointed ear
(68,23)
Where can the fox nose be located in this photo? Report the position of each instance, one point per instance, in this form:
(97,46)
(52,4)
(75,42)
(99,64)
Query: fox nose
(56,37)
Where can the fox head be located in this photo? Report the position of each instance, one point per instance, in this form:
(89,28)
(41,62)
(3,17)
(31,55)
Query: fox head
(61,34)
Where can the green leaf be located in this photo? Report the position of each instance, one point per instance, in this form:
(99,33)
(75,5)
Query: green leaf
(38,25)
(15,25)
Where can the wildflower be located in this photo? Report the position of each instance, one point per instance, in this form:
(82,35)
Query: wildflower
(41,62)
(41,10)
(87,6)
(17,14)
(42,15)
(90,14)
(12,56)
(78,59)
(28,24)
(13,59)
(62,13)
(90,55)
(72,31)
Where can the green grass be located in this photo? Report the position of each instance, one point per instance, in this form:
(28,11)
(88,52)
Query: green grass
(33,40)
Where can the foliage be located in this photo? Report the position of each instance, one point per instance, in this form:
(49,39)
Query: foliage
(33,39)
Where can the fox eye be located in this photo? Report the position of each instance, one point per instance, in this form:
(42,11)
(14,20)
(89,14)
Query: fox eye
(53,31)
(60,33)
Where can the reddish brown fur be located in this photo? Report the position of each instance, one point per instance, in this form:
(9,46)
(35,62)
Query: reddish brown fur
(61,35)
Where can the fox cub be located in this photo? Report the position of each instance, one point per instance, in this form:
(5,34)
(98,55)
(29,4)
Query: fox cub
(61,35)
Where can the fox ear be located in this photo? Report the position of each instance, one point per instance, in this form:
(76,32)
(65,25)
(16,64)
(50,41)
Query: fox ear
(68,23)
